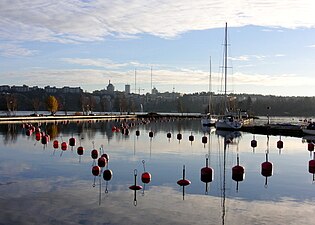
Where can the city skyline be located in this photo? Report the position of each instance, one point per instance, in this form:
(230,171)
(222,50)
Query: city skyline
(86,43)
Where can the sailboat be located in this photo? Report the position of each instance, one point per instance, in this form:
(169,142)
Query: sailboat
(209,120)
(229,121)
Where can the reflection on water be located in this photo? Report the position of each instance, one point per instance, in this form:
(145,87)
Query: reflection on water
(41,183)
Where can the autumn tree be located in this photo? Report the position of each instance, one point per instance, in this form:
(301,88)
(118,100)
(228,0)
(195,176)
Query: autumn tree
(52,104)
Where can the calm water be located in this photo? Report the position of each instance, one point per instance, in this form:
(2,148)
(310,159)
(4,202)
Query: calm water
(43,185)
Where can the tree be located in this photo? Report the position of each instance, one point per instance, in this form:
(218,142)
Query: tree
(36,104)
(11,103)
(52,104)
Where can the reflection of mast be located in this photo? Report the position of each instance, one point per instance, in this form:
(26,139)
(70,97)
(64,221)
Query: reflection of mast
(223,182)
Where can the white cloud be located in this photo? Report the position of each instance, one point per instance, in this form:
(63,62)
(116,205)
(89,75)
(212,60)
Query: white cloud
(10,50)
(163,78)
(76,21)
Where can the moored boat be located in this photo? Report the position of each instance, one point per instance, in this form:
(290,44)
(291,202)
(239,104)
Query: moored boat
(309,129)
(228,121)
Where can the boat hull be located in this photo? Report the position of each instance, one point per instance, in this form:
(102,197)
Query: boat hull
(208,122)
(309,131)
(226,124)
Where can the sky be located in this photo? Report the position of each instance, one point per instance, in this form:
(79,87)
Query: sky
(88,43)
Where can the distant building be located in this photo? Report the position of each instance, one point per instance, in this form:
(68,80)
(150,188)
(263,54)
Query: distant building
(49,89)
(23,88)
(110,87)
(4,88)
(127,88)
(73,90)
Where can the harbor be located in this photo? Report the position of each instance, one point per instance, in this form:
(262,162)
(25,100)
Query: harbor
(251,125)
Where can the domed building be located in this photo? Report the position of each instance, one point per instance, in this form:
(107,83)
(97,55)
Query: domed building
(110,87)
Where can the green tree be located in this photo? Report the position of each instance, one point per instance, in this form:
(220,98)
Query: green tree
(52,104)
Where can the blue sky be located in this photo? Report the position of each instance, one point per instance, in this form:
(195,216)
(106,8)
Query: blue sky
(87,43)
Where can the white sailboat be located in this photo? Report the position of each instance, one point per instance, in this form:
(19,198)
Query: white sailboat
(209,120)
(229,121)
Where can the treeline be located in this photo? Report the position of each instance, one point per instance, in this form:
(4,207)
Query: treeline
(258,105)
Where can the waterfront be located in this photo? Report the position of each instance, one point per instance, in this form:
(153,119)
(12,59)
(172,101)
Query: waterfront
(40,184)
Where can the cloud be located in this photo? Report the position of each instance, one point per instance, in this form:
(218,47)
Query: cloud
(164,78)
(77,21)
(11,50)
(107,63)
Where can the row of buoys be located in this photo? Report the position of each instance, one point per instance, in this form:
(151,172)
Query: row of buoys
(102,162)
(253,143)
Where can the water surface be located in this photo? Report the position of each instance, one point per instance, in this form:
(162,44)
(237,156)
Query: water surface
(43,185)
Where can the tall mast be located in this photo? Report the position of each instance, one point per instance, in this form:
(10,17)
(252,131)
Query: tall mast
(151,79)
(225,66)
(135,81)
(210,94)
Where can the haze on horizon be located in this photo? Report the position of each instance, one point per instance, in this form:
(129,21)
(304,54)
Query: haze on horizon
(86,43)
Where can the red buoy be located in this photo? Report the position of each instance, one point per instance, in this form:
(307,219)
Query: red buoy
(191,138)
(94,154)
(238,173)
(126,131)
(310,146)
(183,182)
(72,141)
(206,173)
(107,175)
(135,187)
(96,170)
(80,150)
(101,162)
(64,146)
(38,136)
(179,137)
(266,169)
(146,177)
(105,156)
(279,144)
(44,140)
(253,143)
(311,165)
(56,144)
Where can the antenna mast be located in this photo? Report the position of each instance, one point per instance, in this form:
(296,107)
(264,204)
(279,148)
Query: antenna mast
(151,80)
(135,81)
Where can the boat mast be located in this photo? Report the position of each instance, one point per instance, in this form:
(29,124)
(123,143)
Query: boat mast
(135,81)
(210,91)
(151,80)
(225,67)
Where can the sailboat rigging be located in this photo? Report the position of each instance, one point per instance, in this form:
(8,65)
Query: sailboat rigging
(209,119)
(227,121)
